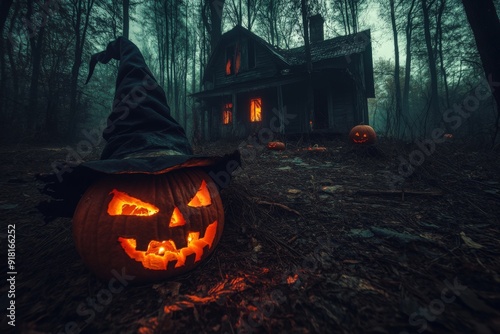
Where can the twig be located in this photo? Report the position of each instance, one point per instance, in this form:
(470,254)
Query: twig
(279,205)
(399,192)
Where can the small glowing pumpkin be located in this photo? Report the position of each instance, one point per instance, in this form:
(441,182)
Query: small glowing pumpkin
(363,135)
(151,226)
(276,145)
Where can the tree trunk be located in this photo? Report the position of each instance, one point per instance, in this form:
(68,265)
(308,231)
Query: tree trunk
(310,93)
(397,82)
(80,37)
(4,13)
(348,23)
(406,88)
(214,27)
(485,25)
(126,19)
(434,98)
(10,55)
(439,46)
(36,41)
(166,43)
(186,54)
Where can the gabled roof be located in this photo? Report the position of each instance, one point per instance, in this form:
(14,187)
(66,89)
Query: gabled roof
(340,46)
(240,31)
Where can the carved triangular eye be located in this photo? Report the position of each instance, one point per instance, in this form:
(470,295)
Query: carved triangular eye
(202,197)
(177,218)
(122,204)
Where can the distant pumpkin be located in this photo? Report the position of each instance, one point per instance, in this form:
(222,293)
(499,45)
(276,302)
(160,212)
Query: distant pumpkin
(276,145)
(363,135)
(152,226)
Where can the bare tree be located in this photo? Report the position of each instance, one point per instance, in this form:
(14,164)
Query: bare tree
(126,18)
(485,25)
(4,12)
(81,10)
(36,44)
(396,69)
(434,93)
(408,34)
(347,13)
(212,19)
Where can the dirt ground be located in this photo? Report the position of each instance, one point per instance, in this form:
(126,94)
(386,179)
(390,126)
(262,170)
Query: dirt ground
(335,241)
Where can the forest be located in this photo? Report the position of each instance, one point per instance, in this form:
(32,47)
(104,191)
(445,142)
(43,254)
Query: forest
(285,166)
(425,59)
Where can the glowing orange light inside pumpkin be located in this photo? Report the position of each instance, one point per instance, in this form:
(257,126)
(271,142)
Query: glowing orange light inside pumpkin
(276,145)
(193,236)
(363,134)
(124,204)
(177,218)
(162,254)
(256,110)
(202,197)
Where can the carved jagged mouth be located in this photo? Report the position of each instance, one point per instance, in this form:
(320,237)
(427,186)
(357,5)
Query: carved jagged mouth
(360,140)
(161,255)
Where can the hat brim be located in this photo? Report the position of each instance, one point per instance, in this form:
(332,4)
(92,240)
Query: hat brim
(70,182)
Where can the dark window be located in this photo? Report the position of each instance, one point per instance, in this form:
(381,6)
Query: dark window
(251,54)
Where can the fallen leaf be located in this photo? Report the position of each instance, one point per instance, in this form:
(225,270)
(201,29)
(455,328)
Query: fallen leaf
(469,242)
(361,233)
(8,206)
(470,299)
(349,261)
(332,189)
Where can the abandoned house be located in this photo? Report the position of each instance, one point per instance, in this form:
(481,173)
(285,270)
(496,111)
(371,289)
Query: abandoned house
(250,85)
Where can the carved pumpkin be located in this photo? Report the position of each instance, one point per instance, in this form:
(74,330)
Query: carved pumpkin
(363,135)
(276,145)
(152,226)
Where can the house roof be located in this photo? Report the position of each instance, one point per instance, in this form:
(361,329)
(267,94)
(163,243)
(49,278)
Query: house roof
(331,49)
(340,46)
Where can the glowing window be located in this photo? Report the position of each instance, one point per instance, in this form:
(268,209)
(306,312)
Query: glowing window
(237,59)
(228,66)
(227,113)
(256,110)
(233,59)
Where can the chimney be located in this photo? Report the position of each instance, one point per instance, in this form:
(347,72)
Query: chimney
(316,33)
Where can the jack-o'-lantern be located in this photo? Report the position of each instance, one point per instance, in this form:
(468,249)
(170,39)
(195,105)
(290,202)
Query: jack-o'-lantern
(152,226)
(276,145)
(363,135)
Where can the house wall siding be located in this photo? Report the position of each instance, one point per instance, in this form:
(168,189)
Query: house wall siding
(343,109)
(295,104)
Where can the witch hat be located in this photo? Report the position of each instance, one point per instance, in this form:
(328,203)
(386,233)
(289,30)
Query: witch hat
(141,137)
